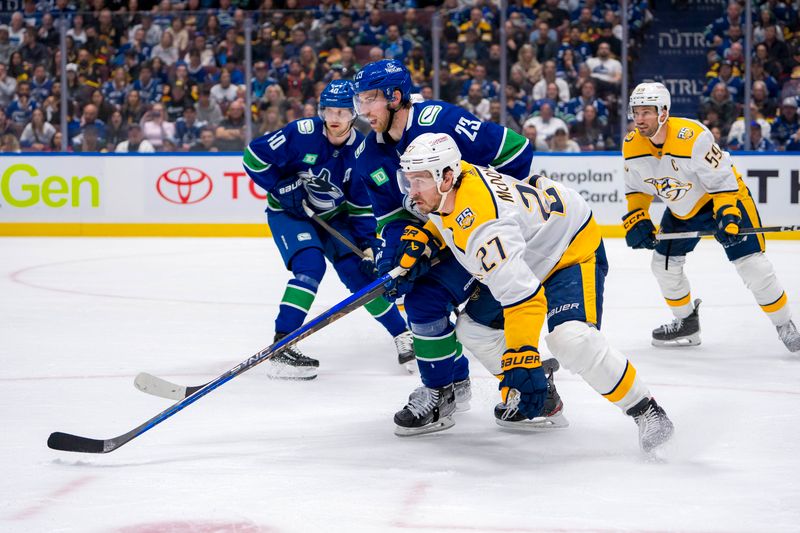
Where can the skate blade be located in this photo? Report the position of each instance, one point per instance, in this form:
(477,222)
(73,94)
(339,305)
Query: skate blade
(691,340)
(548,423)
(286,372)
(440,425)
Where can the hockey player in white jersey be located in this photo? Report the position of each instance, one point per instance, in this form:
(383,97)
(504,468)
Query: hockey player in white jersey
(537,247)
(677,160)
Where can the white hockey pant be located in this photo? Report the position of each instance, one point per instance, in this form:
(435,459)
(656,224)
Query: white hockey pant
(485,343)
(583,350)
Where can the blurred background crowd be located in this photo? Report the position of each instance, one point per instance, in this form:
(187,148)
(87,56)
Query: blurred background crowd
(171,76)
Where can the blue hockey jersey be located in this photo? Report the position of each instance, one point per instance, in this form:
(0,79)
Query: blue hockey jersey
(481,143)
(301,150)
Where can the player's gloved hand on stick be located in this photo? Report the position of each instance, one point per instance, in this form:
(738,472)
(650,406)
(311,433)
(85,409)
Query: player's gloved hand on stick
(523,373)
(639,230)
(728,218)
(367,265)
(291,195)
(413,254)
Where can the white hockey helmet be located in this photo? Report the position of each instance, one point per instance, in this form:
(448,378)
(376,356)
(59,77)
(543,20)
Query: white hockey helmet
(649,94)
(434,152)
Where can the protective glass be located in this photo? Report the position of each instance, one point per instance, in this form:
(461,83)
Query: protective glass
(368,100)
(414,182)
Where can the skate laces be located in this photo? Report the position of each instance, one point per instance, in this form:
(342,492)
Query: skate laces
(422,401)
(512,404)
(675,325)
(404,342)
(649,422)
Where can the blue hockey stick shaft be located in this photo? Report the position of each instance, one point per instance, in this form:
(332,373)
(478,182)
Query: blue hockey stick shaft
(74,443)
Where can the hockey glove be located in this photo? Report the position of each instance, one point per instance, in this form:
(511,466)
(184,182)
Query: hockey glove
(291,194)
(416,246)
(523,373)
(639,230)
(367,265)
(728,218)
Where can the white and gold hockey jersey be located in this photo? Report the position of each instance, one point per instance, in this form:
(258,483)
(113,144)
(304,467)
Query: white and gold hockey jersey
(512,235)
(687,171)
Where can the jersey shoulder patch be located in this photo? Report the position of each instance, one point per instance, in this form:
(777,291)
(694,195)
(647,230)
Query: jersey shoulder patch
(635,146)
(475,205)
(427,113)
(683,133)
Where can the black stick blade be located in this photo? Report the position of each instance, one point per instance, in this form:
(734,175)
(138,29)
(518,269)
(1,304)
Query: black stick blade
(74,443)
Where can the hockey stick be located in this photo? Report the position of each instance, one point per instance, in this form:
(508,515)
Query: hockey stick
(708,233)
(150,384)
(336,234)
(74,443)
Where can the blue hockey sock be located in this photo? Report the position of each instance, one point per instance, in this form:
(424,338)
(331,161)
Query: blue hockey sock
(308,267)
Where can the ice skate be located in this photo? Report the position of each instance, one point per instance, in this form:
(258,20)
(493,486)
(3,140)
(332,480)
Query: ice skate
(406,357)
(463,391)
(655,428)
(427,411)
(681,331)
(789,335)
(552,417)
(290,363)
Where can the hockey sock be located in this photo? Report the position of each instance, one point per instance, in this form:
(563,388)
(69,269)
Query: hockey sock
(385,313)
(673,283)
(759,276)
(439,354)
(308,267)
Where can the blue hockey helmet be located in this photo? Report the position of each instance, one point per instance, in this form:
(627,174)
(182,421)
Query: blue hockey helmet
(388,75)
(337,94)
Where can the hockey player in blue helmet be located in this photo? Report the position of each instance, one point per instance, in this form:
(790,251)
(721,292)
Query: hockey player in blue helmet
(309,163)
(383,98)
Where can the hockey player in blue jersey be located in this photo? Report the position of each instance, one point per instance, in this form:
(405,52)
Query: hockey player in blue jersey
(383,98)
(309,163)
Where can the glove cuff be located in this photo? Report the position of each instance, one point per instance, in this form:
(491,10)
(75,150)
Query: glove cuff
(634,217)
(522,357)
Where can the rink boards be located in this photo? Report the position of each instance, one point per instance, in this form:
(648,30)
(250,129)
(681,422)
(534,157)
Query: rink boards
(209,195)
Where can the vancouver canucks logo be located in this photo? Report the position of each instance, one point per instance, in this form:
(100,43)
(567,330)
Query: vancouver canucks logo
(322,194)
(465,218)
(669,188)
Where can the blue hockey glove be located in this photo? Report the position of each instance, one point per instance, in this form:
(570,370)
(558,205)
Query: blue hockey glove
(523,373)
(728,218)
(291,194)
(367,265)
(639,230)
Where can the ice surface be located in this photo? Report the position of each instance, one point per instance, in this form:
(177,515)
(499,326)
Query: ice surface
(79,318)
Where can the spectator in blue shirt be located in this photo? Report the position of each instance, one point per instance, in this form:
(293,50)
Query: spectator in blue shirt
(787,124)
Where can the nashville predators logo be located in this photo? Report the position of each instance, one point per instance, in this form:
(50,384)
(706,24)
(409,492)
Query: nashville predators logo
(465,218)
(669,188)
(629,137)
(686,134)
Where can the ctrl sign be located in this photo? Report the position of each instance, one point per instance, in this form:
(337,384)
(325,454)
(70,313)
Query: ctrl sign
(22,186)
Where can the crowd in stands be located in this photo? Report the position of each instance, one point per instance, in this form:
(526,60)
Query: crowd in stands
(146,76)
(775,73)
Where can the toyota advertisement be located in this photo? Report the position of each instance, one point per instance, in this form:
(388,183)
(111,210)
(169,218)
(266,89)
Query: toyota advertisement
(212,195)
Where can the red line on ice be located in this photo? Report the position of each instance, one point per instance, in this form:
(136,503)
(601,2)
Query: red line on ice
(47,501)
